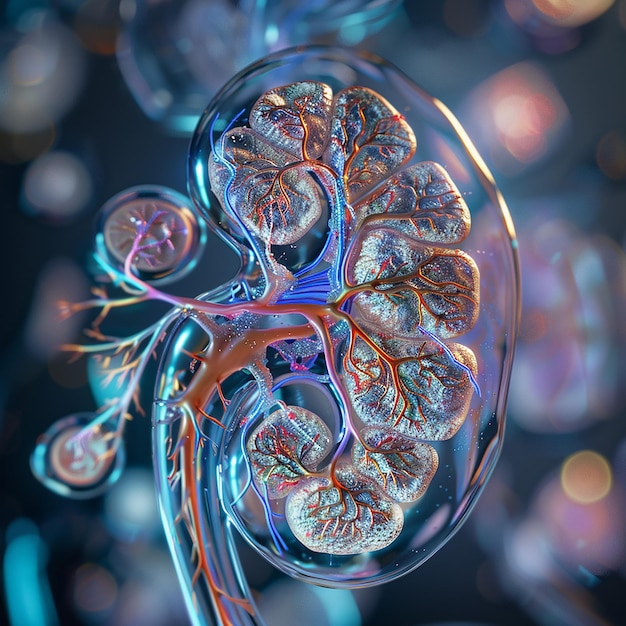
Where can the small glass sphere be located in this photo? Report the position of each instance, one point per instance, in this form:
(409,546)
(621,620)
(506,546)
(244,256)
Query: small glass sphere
(354,389)
(157,226)
(76,459)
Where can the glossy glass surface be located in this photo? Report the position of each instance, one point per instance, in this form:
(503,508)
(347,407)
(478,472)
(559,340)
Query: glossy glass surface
(340,403)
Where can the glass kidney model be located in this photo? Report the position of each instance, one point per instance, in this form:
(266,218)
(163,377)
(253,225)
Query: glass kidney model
(340,403)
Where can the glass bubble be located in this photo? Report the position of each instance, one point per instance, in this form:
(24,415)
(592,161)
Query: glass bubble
(78,458)
(157,225)
(174,55)
(340,404)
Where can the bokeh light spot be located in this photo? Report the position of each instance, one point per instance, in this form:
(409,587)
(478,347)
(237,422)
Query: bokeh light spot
(131,507)
(586,477)
(572,13)
(57,184)
(97,24)
(23,147)
(60,279)
(41,74)
(611,155)
(518,116)
(95,589)
(29,64)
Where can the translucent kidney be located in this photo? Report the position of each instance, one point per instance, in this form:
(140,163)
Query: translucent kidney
(340,403)
(356,390)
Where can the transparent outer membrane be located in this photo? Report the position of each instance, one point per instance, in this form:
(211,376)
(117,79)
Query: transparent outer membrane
(340,404)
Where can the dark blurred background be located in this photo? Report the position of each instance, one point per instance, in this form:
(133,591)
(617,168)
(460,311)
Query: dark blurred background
(98,95)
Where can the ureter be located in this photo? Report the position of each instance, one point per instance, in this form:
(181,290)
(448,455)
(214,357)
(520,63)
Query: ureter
(192,506)
(223,357)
